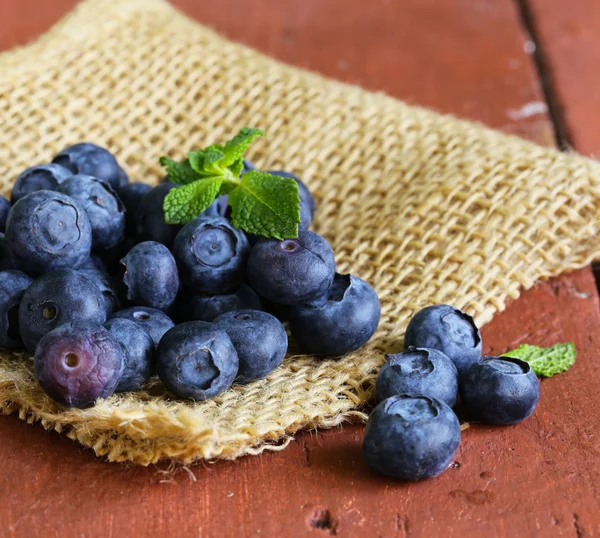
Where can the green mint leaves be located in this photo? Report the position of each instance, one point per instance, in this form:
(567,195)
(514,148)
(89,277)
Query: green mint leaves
(546,361)
(261,203)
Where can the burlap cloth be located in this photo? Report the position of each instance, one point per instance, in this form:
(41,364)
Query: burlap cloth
(427,208)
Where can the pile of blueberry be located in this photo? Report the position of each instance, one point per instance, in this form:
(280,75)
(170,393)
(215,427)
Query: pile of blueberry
(107,294)
(413,433)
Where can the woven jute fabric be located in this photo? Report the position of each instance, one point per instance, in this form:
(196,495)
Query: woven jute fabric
(427,208)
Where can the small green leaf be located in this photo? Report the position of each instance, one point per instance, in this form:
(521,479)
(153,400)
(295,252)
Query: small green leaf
(266,205)
(213,154)
(179,172)
(196,159)
(546,361)
(237,167)
(185,203)
(235,148)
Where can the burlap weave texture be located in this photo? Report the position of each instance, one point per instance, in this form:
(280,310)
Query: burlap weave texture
(426,207)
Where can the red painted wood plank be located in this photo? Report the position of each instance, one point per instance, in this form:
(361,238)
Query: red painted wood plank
(568,33)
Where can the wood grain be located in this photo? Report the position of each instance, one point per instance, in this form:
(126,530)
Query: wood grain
(536,479)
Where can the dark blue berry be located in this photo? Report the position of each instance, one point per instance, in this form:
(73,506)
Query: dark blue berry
(208,307)
(150,217)
(111,258)
(447,329)
(424,372)
(113,300)
(44,177)
(500,390)
(307,202)
(292,271)
(340,322)
(131,195)
(4,209)
(196,360)
(138,352)
(12,287)
(123,179)
(259,340)
(155,322)
(56,298)
(7,260)
(91,160)
(211,255)
(150,275)
(102,206)
(47,230)
(78,363)
(411,437)
(93,262)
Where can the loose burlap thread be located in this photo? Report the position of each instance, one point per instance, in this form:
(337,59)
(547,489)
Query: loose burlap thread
(427,208)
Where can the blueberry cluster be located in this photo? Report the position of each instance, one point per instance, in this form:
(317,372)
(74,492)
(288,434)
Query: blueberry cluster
(413,432)
(106,293)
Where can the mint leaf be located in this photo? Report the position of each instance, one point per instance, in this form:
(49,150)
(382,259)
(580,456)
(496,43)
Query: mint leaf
(266,205)
(185,203)
(546,361)
(237,167)
(236,147)
(179,172)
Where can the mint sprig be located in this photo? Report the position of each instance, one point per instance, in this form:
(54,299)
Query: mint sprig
(546,361)
(261,203)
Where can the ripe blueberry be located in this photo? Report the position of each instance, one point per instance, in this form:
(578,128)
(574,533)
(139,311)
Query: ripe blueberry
(91,160)
(39,178)
(47,230)
(196,360)
(78,363)
(259,340)
(150,275)
(500,390)
(340,322)
(102,206)
(208,307)
(424,372)
(448,330)
(292,271)
(131,195)
(138,352)
(211,255)
(56,298)
(155,322)
(12,287)
(111,294)
(150,217)
(4,209)
(411,437)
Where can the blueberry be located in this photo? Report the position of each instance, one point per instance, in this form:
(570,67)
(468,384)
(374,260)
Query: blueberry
(56,298)
(150,275)
(411,437)
(111,258)
(78,363)
(208,307)
(39,178)
(12,286)
(307,202)
(211,255)
(4,209)
(102,206)
(196,360)
(7,260)
(425,372)
(292,271)
(123,179)
(500,390)
(150,218)
(113,301)
(131,195)
(138,352)
(260,355)
(280,311)
(91,160)
(93,262)
(47,230)
(155,322)
(340,322)
(448,330)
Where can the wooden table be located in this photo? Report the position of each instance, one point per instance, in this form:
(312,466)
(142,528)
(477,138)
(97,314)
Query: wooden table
(524,66)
